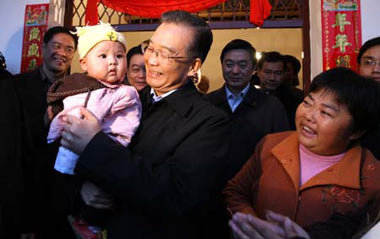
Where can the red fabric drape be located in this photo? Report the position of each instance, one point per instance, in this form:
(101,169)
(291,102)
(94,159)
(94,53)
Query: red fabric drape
(260,10)
(148,8)
(91,17)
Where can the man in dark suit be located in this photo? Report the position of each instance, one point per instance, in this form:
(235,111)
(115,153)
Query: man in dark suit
(12,158)
(48,195)
(165,182)
(369,66)
(253,114)
(271,70)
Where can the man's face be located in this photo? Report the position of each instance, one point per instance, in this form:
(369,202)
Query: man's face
(136,72)
(164,73)
(237,69)
(271,75)
(58,53)
(370,63)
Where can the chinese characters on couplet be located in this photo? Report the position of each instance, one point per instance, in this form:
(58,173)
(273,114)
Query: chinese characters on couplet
(35,26)
(341,34)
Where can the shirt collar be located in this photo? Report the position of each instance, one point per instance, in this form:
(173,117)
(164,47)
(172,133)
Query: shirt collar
(157,98)
(242,93)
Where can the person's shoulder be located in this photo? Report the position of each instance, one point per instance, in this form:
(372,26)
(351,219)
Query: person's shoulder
(215,93)
(5,75)
(28,75)
(270,141)
(128,91)
(208,107)
(278,136)
(266,100)
(217,96)
(370,159)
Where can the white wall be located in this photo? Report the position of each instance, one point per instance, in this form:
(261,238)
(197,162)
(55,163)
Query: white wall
(370,18)
(12,14)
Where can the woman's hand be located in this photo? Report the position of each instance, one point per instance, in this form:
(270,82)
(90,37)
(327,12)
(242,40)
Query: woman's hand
(245,226)
(77,132)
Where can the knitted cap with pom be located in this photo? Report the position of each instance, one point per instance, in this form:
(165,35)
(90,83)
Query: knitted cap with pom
(89,36)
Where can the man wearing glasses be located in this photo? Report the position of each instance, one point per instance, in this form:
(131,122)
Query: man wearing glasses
(369,59)
(165,183)
(369,66)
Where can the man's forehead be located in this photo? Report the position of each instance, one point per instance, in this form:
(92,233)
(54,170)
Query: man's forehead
(275,64)
(61,37)
(173,37)
(237,55)
(162,46)
(372,51)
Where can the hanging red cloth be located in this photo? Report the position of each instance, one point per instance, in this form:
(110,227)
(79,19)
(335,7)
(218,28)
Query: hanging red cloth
(260,10)
(147,8)
(91,17)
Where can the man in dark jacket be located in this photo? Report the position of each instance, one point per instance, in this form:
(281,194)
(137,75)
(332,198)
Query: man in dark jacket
(253,114)
(271,70)
(165,183)
(369,66)
(12,155)
(48,194)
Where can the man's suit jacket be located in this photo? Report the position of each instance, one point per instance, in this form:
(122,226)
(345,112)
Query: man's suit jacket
(48,189)
(175,166)
(257,115)
(32,89)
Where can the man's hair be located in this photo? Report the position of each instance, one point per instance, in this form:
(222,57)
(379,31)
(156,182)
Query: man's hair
(368,44)
(136,50)
(202,41)
(294,61)
(360,95)
(239,44)
(271,56)
(59,29)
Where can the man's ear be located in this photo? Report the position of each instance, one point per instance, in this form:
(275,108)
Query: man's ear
(83,64)
(194,67)
(356,135)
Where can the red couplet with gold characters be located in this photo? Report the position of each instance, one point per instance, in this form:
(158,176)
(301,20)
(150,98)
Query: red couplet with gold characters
(341,33)
(35,26)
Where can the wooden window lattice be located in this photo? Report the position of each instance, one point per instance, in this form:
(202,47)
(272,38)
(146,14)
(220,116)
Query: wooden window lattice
(231,10)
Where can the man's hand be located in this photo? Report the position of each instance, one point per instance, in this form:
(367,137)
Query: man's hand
(77,133)
(291,228)
(94,197)
(245,226)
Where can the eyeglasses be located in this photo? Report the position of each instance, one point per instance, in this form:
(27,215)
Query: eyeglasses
(370,62)
(161,55)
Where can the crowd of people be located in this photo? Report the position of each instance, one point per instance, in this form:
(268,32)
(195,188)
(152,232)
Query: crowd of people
(135,147)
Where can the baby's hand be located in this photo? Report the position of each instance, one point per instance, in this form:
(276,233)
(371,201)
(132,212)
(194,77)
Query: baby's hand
(49,115)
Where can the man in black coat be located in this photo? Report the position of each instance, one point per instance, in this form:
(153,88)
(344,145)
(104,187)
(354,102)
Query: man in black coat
(47,188)
(369,66)
(12,155)
(271,70)
(165,183)
(253,114)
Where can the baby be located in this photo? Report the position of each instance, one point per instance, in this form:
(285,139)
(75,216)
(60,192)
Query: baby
(102,53)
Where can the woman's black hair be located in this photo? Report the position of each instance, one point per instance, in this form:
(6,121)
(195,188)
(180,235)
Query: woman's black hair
(360,95)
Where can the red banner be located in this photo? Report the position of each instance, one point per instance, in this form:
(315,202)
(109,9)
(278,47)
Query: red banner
(341,33)
(35,26)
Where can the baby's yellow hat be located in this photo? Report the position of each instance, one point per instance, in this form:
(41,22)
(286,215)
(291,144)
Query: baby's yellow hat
(89,36)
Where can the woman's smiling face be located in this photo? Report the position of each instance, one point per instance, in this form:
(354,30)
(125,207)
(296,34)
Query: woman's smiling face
(323,125)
